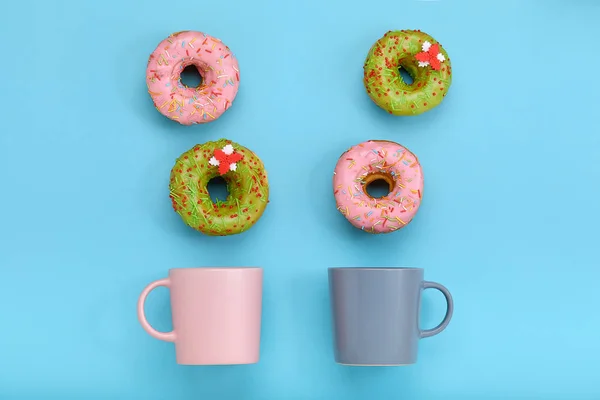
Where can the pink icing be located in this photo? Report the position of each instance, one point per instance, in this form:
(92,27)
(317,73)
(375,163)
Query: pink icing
(362,162)
(215,62)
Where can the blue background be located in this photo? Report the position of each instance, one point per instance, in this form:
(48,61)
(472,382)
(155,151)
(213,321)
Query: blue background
(509,220)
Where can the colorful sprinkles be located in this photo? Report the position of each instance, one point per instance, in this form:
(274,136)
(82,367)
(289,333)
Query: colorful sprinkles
(374,160)
(215,63)
(247,184)
(418,54)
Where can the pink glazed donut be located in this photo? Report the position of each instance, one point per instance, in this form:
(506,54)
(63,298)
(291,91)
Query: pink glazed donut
(215,63)
(372,161)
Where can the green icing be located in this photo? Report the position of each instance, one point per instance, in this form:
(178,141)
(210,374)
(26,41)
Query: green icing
(385,85)
(248,190)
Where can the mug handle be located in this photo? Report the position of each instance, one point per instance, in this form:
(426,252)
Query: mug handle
(449,310)
(166,336)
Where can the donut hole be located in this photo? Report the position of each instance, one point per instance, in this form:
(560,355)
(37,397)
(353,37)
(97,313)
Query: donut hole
(217,189)
(405,75)
(378,188)
(191,77)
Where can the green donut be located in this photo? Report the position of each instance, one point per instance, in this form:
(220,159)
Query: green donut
(422,57)
(247,184)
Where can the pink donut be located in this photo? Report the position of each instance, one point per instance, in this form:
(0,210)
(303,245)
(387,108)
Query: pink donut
(376,160)
(215,63)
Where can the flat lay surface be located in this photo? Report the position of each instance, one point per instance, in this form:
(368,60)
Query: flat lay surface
(508,219)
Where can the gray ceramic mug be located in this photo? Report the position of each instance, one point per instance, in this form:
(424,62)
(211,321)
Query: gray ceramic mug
(376,314)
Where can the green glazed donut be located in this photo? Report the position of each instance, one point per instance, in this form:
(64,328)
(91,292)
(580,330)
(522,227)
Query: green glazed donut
(422,57)
(247,184)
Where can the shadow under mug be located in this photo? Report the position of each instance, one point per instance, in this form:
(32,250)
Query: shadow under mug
(216,314)
(376,314)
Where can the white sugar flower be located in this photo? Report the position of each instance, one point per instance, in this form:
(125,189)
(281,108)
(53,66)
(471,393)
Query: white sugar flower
(233,166)
(426,46)
(423,63)
(213,161)
(228,149)
(441,57)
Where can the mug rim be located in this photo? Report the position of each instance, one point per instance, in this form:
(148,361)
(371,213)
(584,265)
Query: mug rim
(213,268)
(377,268)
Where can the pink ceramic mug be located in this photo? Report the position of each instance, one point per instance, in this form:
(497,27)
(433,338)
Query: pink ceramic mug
(216,314)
